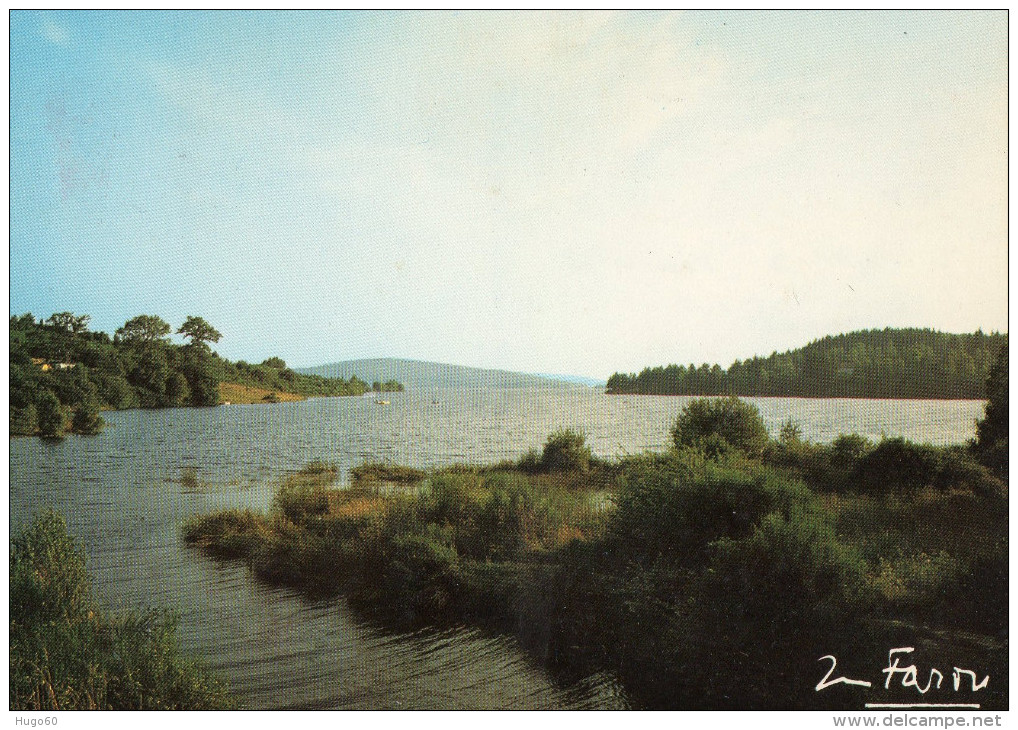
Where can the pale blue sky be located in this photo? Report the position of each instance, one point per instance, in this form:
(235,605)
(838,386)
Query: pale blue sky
(561,192)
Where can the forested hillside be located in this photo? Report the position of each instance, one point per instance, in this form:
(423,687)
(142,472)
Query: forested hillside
(59,367)
(889,363)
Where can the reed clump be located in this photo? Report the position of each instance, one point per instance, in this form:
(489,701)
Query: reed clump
(66,653)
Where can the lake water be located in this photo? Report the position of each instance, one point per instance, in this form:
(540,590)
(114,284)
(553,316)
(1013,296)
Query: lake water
(121,494)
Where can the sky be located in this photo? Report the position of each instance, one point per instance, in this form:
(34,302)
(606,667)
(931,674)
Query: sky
(577,193)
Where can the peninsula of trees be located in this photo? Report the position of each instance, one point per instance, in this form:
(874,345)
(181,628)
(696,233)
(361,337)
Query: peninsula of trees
(889,363)
(59,367)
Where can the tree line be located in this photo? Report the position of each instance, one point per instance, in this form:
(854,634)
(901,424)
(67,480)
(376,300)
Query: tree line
(61,368)
(888,363)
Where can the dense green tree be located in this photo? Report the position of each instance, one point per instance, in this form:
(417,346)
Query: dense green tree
(51,415)
(115,391)
(143,328)
(86,420)
(199,332)
(69,322)
(178,391)
(992,431)
(198,368)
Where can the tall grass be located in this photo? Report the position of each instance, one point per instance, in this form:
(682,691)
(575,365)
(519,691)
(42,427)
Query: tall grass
(66,653)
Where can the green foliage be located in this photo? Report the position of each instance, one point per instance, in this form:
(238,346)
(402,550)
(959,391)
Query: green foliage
(715,425)
(791,433)
(848,449)
(66,654)
(202,383)
(177,391)
(768,598)
(453,499)
(24,421)
(199,332)
(136,368)
(144,328)
(425,569)
(48,579)
(853,464)
(789,573)
(86,420)
(530,462)
(227,534)
(374,473)
(51,416)
(889,363)
(69,322)
(992,431)
(302,497)
(514,518)
(566,450)
(895,465)
(115,391)
(673,512)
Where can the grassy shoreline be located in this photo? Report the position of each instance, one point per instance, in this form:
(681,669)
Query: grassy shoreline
(687,573)
(66,653)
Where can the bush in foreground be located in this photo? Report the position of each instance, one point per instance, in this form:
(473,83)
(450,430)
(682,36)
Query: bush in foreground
(716,424)
(66,654)
(566,451)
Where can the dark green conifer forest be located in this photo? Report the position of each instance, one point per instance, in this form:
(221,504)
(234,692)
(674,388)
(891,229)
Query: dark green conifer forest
(888,363)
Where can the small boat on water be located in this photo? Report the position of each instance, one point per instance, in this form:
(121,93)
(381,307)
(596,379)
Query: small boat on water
(382,402)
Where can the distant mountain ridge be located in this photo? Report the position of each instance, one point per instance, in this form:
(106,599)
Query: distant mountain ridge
(424,374)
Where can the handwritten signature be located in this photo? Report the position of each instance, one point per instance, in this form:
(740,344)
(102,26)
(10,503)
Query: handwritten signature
(909,676)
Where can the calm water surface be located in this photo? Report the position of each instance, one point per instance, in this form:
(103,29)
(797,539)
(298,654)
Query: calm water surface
(121,494)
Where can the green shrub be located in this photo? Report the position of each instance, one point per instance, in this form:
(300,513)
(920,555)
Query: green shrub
(417,576)
(227,534)
(896,465)
(763,602)
(66,654)
(711,424)
(848,449)
(665,514)
(51,415)
(515,517)
(566,450)
(303,495)
(530,462)
(453,498)
(791,432)
(959,468)
(292,555)
(86,420)
(790,571)
(300,503)
(374,472)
